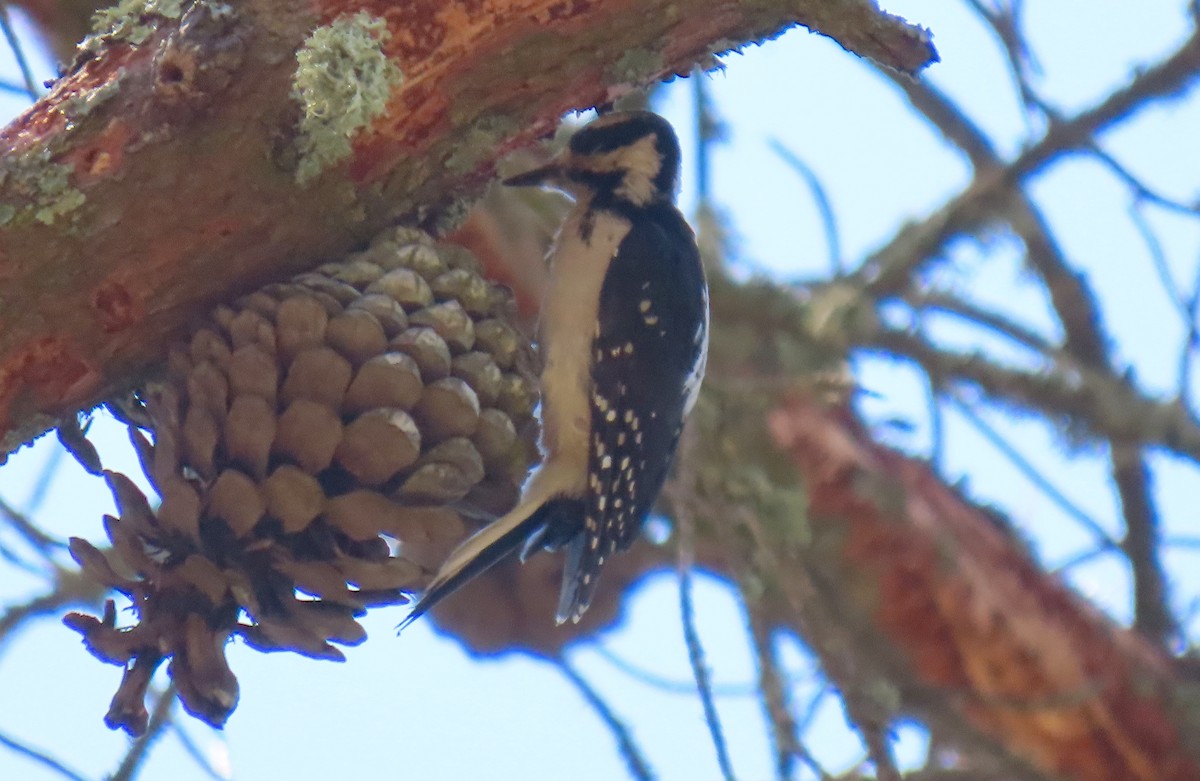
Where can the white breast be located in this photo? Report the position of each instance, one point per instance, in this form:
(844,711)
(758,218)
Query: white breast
(566,329)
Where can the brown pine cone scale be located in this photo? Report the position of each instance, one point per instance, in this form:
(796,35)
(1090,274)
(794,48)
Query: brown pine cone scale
(315,446)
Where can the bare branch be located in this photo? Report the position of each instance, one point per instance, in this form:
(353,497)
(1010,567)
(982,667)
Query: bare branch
(1142,545)
(1089,401)
(160,717)
(668,685)
(1141,190)
(70,588)
(686,536)
(40,757)
(955,126)
(890,269)
(773,693)
(195,752)
(937,301)
(1034,475)
(638,767)
(18,50)
(1005,24)
(821,200)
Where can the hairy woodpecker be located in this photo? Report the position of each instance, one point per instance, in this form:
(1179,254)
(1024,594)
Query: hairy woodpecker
(623,336)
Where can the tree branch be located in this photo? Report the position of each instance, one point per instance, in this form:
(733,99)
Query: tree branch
(1014,653)
(890,268)
(183,159)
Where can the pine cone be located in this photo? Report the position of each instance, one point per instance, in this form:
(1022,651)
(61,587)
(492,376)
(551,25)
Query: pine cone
(316,447)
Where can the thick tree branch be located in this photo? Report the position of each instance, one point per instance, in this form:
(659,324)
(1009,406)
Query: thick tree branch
(961,607)
(183,159)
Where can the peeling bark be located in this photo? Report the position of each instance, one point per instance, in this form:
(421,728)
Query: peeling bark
(975,631)
(160,175)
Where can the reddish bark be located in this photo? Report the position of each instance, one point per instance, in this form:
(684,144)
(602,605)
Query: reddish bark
(160,176)
(956,600)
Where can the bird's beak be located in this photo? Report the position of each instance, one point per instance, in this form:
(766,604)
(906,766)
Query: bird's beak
(545,174)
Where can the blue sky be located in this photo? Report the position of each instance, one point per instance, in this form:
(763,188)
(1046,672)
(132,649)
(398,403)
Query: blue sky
(417,707)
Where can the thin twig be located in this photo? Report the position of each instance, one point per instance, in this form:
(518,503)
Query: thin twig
(1079,559)
(1186,305)
(17,615)
(937,427)
(937,301)
(41,487)
(1158,259)
(17,560)
(774,697)
(665,684)
(803,724)
(41,757)
(29,531)
(687,532)
(1005,23)
(879,748)
(639,768)
(828,218)
(708,131)
(195,752)
(891,268)
(1140,189)
(685,524)
(160,716)
(70,587)
(1103,539)
(1186,354)
(14,43)
(1098,402)
(10,88)
(1183,541)
(955,126)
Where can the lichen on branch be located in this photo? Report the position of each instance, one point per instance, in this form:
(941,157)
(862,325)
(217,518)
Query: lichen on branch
(344,80)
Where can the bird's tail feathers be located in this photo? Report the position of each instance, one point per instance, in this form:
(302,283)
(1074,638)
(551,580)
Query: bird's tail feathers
(580,579)
(478,553)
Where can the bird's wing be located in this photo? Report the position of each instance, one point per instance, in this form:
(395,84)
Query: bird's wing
(651,336)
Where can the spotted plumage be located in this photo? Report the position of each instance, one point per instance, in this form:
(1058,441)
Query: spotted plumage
(623,337)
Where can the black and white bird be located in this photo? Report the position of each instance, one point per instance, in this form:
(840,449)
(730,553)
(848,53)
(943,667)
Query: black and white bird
(623,336)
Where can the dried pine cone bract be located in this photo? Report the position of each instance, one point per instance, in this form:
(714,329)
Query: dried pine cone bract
(316,447)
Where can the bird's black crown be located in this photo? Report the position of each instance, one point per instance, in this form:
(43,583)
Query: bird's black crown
(612,133)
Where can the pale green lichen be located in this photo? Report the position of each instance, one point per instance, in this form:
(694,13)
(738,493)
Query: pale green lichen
(132,21)
(480,141)
(636,66)
(80,105)
(344,80)
(55,196)
(38,187)
(452,217)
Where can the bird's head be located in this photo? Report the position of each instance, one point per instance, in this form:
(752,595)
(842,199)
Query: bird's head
(631,156)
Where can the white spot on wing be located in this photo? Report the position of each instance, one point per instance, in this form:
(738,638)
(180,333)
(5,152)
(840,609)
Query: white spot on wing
(691,386)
